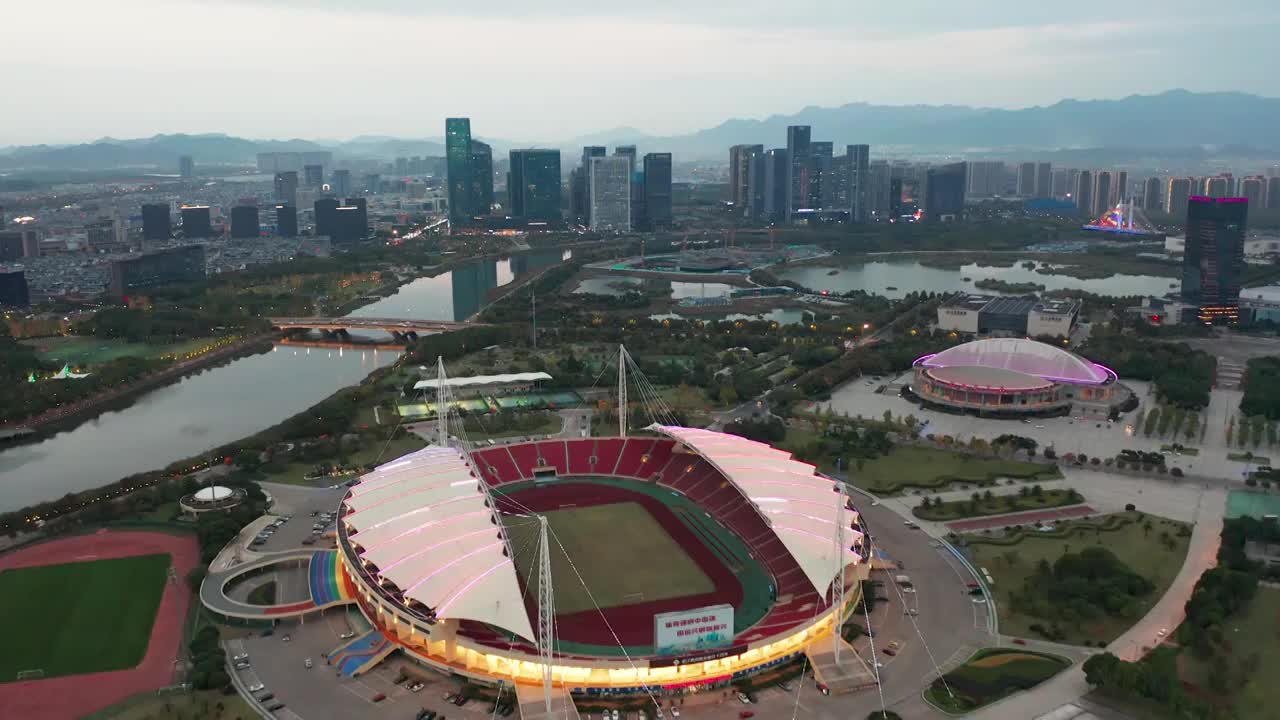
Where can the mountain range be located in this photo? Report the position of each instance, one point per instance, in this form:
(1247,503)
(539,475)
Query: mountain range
(1173,119)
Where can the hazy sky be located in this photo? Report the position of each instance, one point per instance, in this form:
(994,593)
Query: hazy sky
(548,70)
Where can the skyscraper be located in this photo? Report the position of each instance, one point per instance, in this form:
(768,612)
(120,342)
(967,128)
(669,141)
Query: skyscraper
(244,221)
(533,187)
(1044,180)
(481,178)
(858,182)
(1175,202)
(799,165)
(579,190)
(881,174)
(1026,179)
(1213,259)
(313,175)
(346,225)
(944,192)
(325,215)
(286,221)
(1254,189)
(776,174)
(457,142)
(340,180)
(1273,193)
(286,187)
(1119,188)
(820,185)
(609,191)
(986,179)
(1084,193)
(13,289)
(739,175)
(1152,189)
(1101,194)
(755,183)
(196,222)
(1216,187)
(155,221)
(637,191)
(373,183)
(186,167)
(657,190)
(361,223)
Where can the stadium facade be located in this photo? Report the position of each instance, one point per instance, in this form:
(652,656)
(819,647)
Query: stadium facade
(424,541)
(1014,377)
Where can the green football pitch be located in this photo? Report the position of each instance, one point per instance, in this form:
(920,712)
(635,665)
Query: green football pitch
(79,617)
(619,550)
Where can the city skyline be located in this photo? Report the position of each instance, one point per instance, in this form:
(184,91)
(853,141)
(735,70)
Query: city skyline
(1002,56)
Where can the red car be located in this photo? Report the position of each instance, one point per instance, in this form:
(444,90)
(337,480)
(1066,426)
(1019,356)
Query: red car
(379,697)
(746,714)
(890,652)
(1019,641)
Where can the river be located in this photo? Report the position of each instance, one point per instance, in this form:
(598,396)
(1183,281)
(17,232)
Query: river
(894,279)
(222,404)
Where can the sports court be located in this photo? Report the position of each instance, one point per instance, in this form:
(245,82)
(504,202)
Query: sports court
(619,551)
(1242,503)
(79,617)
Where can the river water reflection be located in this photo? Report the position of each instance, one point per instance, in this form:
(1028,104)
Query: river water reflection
(225,403)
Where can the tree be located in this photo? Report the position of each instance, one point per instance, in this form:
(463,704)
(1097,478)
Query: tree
(1037,491)
(1101,670)
(196,577)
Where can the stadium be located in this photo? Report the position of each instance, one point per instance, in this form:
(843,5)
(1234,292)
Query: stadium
(1015,377)
(678,560)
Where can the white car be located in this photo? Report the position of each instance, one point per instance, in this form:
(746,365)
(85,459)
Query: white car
(256,687)
(308,664)
(742,698)
(1162,632)
(675,711)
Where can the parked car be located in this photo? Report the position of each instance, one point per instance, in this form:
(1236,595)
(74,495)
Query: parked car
(266,697)
(378,698)
(308,664)
(742,698)
(256,687)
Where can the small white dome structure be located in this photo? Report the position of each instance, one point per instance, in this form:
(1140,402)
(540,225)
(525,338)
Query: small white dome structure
(211,498)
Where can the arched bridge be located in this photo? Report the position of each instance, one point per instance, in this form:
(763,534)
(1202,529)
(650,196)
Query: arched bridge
(395,326)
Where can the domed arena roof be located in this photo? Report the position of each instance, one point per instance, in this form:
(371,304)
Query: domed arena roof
(1028,357)
(213,493)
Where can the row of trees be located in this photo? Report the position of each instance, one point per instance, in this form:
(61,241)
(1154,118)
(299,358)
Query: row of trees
(1262,388)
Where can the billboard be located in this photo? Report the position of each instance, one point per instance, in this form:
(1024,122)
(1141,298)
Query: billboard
(689,630)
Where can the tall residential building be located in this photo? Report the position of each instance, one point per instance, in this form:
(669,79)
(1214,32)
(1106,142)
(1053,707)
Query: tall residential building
(186,167)
(457,143)
(1062,184)
(881,175)
(756,184)
(821,154)
(739,175)
(347,225)
(657,190)
(313,175)
(196,222)
(1084,192)
(13,289)
(1119,188)
(858,182)
(1213,259)
(1101,194)
(244,221)
(361,223)
(153,269)
(944,191)
(579,190)
(373,183)
(1273,193)
(11,246)
(325,216)
(609,193)
(533,187)
(1254,189)
(776,177)
(340,182)
(286,221)
(155,221)
(107,233)
(799,165)
(637,192)
(481,178)
(1044,180)
(1217,187)
(1152,189)
(986,179)
(1175,199)
(1026,179)
(286,187)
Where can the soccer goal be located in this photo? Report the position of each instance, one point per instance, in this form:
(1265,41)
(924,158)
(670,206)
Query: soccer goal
(34,674)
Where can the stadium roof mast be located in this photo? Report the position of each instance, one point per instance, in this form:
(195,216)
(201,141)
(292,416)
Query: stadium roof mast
(442,408)
(546,610)
(622,391)
(837,595)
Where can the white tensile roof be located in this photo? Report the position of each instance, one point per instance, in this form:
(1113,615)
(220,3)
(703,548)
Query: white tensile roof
(800,505)
(213,493)
(423,521)
(507,379)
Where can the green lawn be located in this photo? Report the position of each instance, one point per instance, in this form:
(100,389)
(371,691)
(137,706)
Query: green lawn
(79,617)
(1011,565)
(997,505)
(911,466)
(264,594)
(198,705)
(1253,633)
(990,675)
(82,351)
(601,540)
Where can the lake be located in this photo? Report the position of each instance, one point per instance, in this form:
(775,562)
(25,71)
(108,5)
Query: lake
(910,276)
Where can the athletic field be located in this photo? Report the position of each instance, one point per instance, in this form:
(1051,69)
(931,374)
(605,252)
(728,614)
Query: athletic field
(79,617)
(620,551)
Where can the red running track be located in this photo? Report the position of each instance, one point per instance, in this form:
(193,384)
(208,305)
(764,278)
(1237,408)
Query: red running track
(73,696)
(632,623)
(1030,517)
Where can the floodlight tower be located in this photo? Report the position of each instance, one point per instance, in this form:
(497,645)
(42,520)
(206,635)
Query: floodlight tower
(546,610)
